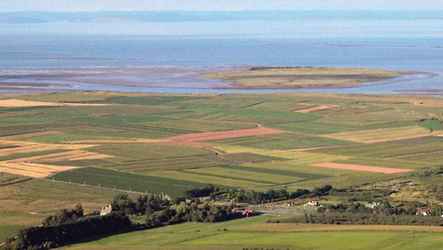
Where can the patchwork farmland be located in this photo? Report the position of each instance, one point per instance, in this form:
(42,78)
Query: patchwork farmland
(93,145)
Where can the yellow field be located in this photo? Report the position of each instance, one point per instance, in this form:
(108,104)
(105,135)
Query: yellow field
(382,135)
(36,166)
(32,169)
(16,103)
(296,156)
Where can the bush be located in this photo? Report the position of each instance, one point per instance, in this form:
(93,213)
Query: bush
(202,192)
(64,216)
(145,204)
(195,211)
(253,197)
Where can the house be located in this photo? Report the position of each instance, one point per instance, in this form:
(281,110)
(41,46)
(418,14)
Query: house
(373,205)
(106,210)
(312,203)
(424,211)
(248,212)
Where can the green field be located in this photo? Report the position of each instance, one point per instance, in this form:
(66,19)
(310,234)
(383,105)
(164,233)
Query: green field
(125,181)
(7,231)
(27,203)
(306,138)
(284,141)
(254,233)
(134,132)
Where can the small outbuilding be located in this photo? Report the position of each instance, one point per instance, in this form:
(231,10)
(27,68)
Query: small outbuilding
(106,210)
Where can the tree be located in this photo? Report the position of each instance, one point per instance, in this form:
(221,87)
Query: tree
(64,216)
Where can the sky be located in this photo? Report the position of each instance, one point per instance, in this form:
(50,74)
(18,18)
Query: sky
(220,5)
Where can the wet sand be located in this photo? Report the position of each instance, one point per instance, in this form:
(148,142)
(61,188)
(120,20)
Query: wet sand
(184,80)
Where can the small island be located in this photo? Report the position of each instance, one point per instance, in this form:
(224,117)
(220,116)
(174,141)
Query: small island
(301,77)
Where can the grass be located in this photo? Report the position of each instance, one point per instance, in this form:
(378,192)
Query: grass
(126,181)
(386,131)
(220,180)
(7,231)
(233,173)
(283,141)
(300,175)
(301,157)
(248,158)
(382,135)
(254,233)
(27,203)
(144,157)
(29,154)
(8,179)
(416,151)
(432,124)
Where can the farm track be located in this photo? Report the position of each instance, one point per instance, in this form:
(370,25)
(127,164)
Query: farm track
(317,108)
(13,182)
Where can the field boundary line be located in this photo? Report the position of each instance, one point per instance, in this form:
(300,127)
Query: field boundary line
(95,186)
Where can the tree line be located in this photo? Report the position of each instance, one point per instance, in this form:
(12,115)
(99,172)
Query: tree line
(56,235)
(378,213)
(254,197)
(348,218)
(382,207)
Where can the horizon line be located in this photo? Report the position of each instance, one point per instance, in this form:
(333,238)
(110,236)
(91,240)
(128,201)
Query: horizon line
(242,10)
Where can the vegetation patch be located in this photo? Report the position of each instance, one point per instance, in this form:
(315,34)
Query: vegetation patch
(276,171)
(219,140)
(126,181)
(433,124)
(301,77)
(7,231)
(284,141)
(235,173)
(214,179)
(249,158)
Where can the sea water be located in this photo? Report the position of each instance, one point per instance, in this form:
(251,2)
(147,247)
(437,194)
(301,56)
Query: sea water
(189,43)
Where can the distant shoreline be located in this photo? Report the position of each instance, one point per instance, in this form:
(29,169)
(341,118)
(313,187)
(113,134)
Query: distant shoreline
(195,80)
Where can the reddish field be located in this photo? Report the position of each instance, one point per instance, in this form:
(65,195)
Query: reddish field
(210,136)
(362,168)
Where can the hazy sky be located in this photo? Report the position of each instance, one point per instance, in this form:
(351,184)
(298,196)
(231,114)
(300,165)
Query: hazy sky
(94,5)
